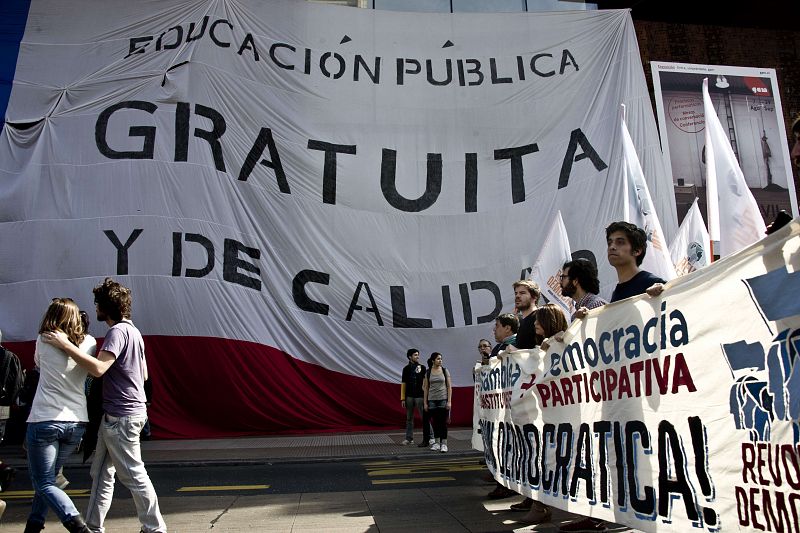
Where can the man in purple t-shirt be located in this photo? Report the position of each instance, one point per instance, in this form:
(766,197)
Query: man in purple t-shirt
(122,364)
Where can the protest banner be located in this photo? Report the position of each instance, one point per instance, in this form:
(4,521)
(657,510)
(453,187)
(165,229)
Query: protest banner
(673,413)
(297,193)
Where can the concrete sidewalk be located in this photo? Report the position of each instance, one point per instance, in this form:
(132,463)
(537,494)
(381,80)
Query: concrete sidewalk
(277,449)
(463,508)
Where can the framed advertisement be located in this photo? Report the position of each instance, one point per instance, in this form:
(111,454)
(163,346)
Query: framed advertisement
(748,105)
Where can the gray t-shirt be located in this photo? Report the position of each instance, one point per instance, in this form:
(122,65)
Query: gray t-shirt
(123,382)
(437,387)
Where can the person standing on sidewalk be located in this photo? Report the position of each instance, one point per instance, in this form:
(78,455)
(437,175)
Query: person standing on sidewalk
(438,400)
(427,427)
(411,395)
(122,364)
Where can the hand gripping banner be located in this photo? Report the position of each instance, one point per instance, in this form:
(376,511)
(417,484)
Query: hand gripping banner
(674,413)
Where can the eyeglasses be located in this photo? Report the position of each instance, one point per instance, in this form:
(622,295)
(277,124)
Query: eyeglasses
(562,276)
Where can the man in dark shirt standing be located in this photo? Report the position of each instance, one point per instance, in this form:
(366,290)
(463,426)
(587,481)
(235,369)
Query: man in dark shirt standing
(627,244)
(411,391)
(526,298)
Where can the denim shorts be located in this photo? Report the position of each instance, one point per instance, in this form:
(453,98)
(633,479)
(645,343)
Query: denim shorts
(437,404)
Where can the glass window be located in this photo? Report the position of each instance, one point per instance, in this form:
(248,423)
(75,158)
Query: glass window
(559,5)
(350,3)
(435,6)
(489,6)
(462,6)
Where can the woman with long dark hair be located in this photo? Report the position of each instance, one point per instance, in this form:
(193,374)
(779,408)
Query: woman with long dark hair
(549,320)
(438,400)
(58,416)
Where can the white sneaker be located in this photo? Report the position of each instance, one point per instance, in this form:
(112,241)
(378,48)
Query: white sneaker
(406,442)
(435,447)
(431,442)
(443,449)
(61,482)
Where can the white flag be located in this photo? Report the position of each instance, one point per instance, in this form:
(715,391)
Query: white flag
(546,270)
(734,217)
(639,210)
(691,248)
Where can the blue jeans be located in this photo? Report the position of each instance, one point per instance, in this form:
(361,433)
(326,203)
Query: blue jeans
(49,445)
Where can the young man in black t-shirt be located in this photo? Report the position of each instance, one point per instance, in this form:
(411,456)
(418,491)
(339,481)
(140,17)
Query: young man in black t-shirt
(411,392)
(627,245)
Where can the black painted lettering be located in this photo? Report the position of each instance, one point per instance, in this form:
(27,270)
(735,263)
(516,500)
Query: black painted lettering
(498,301)
(583,464)
(517,172)
(147,132)
(577,138)
(299,295)
(274,57)
(400,318)
(212,137)
(354,306)
(643,506)
(133,45)
(265,140)
(232,264)
(470,182)
(433,183)
(563,458)
(669,446)
(329,166)
(603,428)
(249,44)
(122,249)
(212,33)
(177,255)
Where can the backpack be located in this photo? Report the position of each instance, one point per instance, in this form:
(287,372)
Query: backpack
(12,377)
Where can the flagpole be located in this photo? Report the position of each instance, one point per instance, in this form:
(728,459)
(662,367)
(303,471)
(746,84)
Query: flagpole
(626,208)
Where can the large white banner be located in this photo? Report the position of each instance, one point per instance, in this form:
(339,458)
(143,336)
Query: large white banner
(674,413)
(339,184)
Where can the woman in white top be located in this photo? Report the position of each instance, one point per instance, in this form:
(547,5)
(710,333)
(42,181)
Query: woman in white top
(58,416)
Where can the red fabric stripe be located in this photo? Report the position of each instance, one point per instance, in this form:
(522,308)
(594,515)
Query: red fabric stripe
(209,387)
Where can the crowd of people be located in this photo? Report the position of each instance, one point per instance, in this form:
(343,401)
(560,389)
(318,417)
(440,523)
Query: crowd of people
(528,327)
(69,367)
